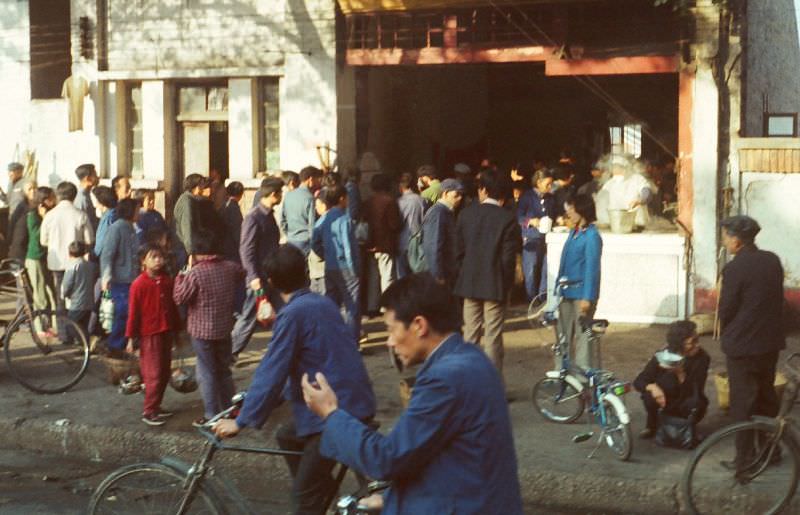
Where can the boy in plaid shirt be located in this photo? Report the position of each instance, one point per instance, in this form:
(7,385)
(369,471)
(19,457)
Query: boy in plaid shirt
(208,288)
(152,318)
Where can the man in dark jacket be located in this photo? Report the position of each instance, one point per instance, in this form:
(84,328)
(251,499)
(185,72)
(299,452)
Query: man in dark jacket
(385,223)
(487,241)
(439,233)
(750,313)
(259,240)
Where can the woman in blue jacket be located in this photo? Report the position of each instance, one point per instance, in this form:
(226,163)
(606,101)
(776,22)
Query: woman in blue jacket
(580,267)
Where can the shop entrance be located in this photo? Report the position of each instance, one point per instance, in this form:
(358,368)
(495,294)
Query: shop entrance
(205,147)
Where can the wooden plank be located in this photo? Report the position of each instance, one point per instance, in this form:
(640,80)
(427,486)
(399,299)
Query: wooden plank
(463,55)
(613,66)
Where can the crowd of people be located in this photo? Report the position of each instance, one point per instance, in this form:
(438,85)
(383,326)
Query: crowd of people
(436,253)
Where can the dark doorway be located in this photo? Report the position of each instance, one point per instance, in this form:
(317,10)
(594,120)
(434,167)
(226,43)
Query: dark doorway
(50,47)
(219,148)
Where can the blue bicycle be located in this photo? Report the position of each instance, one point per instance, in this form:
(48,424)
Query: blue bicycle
(562,395)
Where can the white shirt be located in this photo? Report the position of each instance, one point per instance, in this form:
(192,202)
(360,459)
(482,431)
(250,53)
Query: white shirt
(61,226)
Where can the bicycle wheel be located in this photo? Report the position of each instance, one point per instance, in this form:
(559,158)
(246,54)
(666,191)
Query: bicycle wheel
(536,309)
(151,488)
(763,480)
(40,358)
(557,400)
(617,434)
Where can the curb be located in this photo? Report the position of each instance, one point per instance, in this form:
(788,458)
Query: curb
(571,491)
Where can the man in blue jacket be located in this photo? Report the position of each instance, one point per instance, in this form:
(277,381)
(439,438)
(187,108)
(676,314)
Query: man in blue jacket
(309,337)
(334,240)
(439,233)
(298,213)
(452,450)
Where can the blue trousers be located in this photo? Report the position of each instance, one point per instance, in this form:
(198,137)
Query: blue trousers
(534,269)
(344,288)
(119,296)
(214,374)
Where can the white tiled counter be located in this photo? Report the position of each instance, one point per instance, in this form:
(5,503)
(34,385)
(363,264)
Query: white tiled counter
(643,277)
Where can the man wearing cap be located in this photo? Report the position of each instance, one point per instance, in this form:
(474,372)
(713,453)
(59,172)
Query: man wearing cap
(439,234)
(15,193)
(750,313)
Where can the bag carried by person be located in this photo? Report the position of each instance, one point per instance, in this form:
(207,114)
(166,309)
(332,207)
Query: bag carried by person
(415,253)
(182,378)
(361,232)
(106,312)
(676,432)
(265,313)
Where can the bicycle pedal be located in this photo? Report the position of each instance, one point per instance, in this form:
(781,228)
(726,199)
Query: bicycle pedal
(582,437)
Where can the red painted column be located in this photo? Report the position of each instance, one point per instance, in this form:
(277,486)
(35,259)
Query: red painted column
(684,164)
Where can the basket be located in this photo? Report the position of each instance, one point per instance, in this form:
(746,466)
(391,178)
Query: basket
(622,221)
(723,389)
(118,369)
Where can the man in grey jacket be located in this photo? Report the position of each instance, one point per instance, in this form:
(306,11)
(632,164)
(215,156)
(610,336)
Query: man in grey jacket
(119,267)
(298,213)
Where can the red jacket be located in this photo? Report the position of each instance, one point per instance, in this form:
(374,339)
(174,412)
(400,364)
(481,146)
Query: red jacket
(151,309)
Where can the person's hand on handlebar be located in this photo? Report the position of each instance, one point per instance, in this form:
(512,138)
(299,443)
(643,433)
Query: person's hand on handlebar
(320,397)
(226,428)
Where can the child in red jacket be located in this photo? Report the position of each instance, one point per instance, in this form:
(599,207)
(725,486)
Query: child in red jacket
(152,318)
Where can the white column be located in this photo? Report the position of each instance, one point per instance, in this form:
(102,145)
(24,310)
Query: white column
(241,129)
(153,122)
(705,122)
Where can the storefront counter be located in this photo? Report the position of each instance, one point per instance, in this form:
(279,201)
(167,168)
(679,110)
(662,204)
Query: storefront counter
(643,276)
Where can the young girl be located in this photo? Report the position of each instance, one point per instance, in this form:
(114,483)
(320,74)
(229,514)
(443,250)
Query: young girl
(152,319)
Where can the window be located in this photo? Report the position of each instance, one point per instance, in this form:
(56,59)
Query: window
(50,47)
(780,125)
(202,99)
(627,139)
(270,123)
(135,143)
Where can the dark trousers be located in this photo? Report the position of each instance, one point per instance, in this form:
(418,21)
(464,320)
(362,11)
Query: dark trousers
(80,317)
(751,380)
(214,374)
(679,408)
(312,483)
(343,287)
(61,307)
(155,364)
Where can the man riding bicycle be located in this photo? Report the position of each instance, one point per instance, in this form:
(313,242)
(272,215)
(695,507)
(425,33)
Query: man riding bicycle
(309,336)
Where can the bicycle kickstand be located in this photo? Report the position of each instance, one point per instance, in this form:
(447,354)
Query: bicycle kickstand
(597,445)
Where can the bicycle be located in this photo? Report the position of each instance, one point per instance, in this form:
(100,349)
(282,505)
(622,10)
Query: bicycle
(173,486)
(748,467)
(45,352)
(561,396)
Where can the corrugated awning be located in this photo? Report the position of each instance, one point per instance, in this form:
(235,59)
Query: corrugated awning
(365,6)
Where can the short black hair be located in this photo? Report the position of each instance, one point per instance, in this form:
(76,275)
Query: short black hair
(290,177)
(677,333)
(353,174)
(115,181)
(126,209)
(584,206)
(207,242)
(77,249)
(42,193)
(381,182)
(270,185)
(194,180)
(155,233)
(105,196)
(332,195)
(235,189)
(308,172)
(147,248)
(563,172)
(421,295)
(427,171)
(84,171)
(407,181)
(742,227)
(143,193)
(331,179)
(66,191)
(496,186)
(286,269)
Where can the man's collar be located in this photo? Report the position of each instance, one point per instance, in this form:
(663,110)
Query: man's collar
(491,201)
(297,294)
(440,350)
(446,203)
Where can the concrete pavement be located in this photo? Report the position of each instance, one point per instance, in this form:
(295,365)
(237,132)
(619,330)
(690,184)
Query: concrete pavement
(93,421)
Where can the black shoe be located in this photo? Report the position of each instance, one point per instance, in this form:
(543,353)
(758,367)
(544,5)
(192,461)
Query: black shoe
(647,433)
